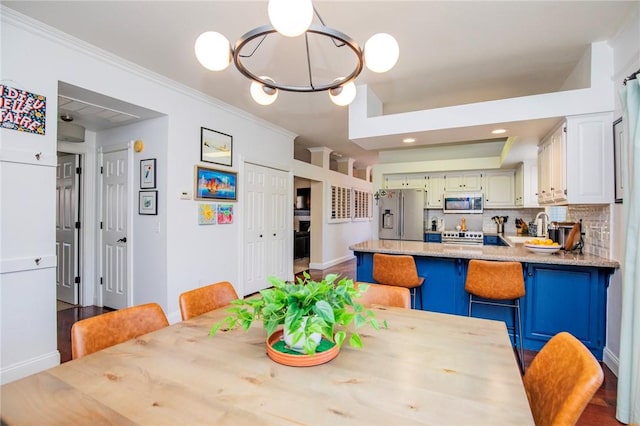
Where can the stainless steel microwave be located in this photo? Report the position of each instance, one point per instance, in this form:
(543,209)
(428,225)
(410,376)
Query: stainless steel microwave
(458,202)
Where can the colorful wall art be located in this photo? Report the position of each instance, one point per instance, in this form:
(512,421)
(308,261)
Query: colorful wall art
(22,111)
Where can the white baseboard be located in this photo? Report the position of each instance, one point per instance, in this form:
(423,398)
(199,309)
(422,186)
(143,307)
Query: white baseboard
(29,367)
(330,263)
(610,360)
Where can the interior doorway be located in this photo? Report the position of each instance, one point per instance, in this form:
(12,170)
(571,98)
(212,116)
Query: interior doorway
(301,224)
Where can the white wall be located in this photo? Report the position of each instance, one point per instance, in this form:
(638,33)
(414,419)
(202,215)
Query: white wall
(188,255)
(626,60)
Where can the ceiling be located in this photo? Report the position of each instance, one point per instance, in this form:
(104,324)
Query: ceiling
(451,53)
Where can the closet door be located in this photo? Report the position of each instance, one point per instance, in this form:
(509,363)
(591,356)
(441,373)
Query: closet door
(266,237)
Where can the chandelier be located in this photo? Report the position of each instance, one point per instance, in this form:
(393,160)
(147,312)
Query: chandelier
(291,19)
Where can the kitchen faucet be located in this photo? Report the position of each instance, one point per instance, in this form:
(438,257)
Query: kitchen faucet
(542,221)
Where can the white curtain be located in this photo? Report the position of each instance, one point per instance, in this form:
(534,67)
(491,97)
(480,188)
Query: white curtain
(628,406)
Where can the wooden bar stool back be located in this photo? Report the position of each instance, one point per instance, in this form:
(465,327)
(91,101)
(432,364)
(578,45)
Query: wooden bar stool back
(498,284)
(385,295)
(397,270)
(102,331)
(205,299)
(561,380)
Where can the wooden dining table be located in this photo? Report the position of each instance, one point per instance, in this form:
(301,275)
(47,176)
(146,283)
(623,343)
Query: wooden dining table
(425,368)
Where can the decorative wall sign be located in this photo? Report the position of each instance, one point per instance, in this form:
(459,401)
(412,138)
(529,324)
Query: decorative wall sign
(215,184)
(148,202)
(216,147)
(225,214)
(21,110)
(148,173)
(207,214)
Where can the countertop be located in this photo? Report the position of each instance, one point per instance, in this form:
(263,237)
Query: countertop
(516,252)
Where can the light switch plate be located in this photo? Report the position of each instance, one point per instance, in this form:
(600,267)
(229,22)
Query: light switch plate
(185,195)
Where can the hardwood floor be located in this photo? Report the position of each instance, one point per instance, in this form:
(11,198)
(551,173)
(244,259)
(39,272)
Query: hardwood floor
(600,411)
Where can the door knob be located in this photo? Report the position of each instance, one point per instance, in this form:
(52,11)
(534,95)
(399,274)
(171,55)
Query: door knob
(122,240)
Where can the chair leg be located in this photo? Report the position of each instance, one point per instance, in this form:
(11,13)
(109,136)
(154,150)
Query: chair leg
(521,347)
(413,298)
(470,303)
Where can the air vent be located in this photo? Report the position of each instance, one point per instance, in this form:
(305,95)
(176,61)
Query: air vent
(69,132)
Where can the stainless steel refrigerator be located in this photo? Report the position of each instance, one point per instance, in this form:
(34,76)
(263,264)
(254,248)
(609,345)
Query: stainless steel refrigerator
(401,215)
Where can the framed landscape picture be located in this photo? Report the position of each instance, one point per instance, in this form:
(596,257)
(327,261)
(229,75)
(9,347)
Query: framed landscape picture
(214,184)
(216,147)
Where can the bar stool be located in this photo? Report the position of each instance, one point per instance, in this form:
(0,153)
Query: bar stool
(397,270)
(496,284)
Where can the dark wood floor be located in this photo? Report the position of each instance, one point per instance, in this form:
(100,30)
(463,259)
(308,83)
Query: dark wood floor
(600,411)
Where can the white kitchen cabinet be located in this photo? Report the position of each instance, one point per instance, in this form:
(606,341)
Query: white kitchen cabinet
(435,191)
(405,181)
(574,162)
(499,189)
(526,184)
(463,181)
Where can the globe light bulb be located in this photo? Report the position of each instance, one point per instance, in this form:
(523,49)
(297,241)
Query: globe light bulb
(213,51)
(343,95)
(290,17)
(262,94)
(381,52)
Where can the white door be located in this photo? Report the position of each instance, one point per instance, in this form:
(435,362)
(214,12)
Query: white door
(266,237)
(278,238)
(114,229)
(66,232)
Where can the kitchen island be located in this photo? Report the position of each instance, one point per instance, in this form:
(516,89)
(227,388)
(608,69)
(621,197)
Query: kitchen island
(564,291)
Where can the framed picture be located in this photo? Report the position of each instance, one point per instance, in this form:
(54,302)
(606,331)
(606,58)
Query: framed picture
(148,173)
(216,147)
(148,202)
(618,158)
(207,214)
(214,184)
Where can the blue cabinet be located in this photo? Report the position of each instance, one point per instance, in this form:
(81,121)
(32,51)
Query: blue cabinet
(494,240)
(433,238)
(443,288)
(558,298)
(565,298)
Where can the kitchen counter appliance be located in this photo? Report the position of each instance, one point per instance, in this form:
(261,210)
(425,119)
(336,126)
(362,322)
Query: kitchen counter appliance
(456,202)
(472,238)
(401,215)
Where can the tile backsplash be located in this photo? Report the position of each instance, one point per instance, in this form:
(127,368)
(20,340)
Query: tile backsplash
(595,227)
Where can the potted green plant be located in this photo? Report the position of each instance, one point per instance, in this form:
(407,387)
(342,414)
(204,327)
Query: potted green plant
(306,309)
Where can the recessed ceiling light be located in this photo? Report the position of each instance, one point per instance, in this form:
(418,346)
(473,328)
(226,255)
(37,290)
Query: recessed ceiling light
(499,131)
(408,140)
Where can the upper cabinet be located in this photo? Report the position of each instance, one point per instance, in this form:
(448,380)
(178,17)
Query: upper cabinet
(413,181)
(463,181)
(435,191)
(526,181)
(499,191)
(575,162)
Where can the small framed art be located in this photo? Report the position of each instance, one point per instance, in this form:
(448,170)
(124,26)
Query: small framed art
(148,173)
(148,202)
(216,147)
(214,184)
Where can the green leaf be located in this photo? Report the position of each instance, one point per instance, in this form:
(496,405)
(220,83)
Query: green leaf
(355,341)
(339,337)
(214,329)
(323,309)
(359,320)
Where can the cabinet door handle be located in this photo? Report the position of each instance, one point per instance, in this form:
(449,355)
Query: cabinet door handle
(260,235)
(122,240)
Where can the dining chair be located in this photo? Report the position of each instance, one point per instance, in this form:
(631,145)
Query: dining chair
(205,299)
(498,284)
(561,380)
(385,295)
(397,270)
(93,334)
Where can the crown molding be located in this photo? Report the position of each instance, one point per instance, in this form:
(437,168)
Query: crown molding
(26,23)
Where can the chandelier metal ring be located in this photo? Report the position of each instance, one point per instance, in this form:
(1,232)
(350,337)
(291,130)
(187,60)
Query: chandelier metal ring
(322,30)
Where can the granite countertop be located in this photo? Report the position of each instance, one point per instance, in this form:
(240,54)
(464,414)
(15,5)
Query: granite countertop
(516,252)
